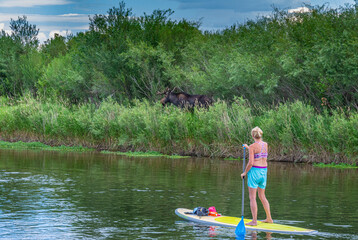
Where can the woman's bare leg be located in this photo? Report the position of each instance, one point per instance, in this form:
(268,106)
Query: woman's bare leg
(253,206)
(266,205)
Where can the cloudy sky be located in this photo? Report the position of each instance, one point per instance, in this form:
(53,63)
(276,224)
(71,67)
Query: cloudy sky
(61,16)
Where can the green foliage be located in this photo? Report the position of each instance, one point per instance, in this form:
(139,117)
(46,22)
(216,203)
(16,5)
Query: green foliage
(10,74)
(291,123)
(132,55)
(55,47)
(293,74)
(308,56)
(62,79)
(31,65)
(24,32)
(146,68)
(218,131)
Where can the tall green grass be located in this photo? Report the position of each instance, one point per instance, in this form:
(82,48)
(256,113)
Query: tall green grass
(295,131)
(40,146)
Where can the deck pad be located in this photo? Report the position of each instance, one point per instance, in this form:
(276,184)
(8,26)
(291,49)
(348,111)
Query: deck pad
(227,221)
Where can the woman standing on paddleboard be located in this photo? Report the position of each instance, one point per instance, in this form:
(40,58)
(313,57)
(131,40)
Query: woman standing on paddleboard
(256,171)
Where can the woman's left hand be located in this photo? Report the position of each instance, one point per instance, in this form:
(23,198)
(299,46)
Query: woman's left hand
(243,175)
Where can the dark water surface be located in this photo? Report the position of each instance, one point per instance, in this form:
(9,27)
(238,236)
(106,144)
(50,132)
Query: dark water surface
(52,195)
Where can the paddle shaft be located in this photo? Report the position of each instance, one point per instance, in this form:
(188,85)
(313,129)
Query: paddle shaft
(243,187)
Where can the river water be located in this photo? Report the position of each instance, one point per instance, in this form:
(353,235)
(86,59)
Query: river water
(53,195)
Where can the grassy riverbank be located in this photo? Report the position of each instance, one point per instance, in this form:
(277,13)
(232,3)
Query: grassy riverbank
(41,146)
(295,131)
(144,154)
(333,165)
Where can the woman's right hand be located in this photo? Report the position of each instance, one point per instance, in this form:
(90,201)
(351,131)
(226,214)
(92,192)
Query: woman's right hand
(245,146)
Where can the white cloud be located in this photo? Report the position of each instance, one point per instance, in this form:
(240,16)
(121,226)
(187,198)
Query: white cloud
(47,18)
(299,10)
(70,14)
(61,33)
(32,3)
(2,27)
(49,24)
(42,37)
(48,28)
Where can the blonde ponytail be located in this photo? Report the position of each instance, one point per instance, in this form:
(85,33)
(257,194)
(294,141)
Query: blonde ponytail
(256,132)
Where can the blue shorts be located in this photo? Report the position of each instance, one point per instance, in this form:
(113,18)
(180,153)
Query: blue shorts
(257,177)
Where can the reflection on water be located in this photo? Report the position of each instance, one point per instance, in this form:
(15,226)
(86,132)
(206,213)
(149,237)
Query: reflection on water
(51,195)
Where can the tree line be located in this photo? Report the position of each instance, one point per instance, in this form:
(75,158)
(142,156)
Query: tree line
(308,56)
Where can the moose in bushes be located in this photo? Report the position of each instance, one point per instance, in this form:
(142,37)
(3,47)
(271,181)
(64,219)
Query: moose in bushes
(184,100)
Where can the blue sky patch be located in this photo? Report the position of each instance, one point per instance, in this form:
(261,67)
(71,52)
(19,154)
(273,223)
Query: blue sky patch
(72,16)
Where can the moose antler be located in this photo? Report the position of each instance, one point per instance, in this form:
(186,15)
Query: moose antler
(163,92)
(167,90)
(160,93)
(173,89)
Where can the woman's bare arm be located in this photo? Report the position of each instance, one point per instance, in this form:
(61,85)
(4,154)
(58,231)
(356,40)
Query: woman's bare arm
(251,161)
